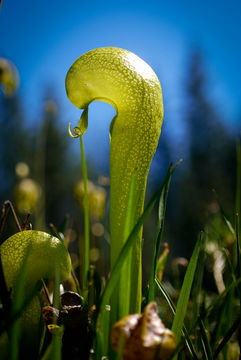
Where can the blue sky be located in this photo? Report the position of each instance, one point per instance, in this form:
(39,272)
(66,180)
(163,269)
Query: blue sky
(43,38)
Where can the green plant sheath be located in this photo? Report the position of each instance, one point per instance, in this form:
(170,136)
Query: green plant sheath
(122,79)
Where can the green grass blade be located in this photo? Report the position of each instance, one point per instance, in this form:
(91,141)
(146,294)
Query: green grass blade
(103,333)
(161,217)
(237,246)
(221,297)
(204,339)
(15,328)
(57,233)
(197,285)
(224,317)
(166,296)
(48,352)
(57,343)
(227,308)
(63,225)
(231,271)
(226,337)
(84,276)
(76,281)
(238,266)
(56,347)
(127,288)
(161,262)
(185,292)
(173,308)
(227,222)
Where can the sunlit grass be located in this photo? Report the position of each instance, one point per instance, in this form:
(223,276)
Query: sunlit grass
(205,322)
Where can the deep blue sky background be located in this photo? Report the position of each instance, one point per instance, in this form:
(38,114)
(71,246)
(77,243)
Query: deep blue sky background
(43,38)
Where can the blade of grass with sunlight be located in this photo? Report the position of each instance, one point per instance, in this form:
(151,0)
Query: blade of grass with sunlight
(173,309)
(205,342)
(185,292)
(56,341)
(126,292)
(161,217)
(17,304)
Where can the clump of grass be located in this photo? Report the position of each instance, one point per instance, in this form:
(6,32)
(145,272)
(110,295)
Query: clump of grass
(206,324)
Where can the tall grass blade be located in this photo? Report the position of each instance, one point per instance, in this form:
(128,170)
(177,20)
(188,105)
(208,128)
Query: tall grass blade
(76,281)
(185,292)
(173,308)
(128,288)
(212,308)
(161,217)
(56,342)
(229,225)
(160,266)
(63,226)
(205,343)
(226,311)
(58,233)
(231,270)
(17,303)
(197,285)
(48,352)
(56,347)
(238,265)
(103,333)
(227,222)
(226,337)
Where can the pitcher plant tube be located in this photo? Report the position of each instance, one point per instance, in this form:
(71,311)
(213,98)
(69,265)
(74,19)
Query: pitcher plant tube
(124,80)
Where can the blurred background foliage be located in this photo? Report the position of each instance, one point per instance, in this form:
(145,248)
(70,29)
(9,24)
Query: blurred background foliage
(41,174)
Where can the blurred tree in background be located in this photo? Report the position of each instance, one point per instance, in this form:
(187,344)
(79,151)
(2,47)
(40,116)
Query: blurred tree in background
(210,163)
(51,166)
(16,142)
(44,150)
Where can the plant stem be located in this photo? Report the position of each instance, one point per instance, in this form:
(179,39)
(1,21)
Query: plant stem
(84,276)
